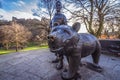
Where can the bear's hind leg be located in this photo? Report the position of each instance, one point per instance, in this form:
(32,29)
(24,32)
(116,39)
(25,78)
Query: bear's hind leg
(96,57)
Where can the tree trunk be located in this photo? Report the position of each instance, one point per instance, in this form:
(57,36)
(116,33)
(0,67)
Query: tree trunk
(50,17)
(91,18)
(101,22)
(90,24)
(6,46)
(119,33)
(16,46)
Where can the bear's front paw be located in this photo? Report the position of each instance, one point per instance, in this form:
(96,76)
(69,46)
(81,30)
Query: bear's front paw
(69,76)
(65,75)
(59,66)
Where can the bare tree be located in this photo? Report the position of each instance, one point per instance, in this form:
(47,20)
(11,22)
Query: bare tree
(42,32)
(93,13)
(103,8)
(1,35)
(6,36)
(85,11)
(112,23)
(14,34)
(45,7)
(20,34)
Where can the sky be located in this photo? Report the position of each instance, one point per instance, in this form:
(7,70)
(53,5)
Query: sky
(22,9)
(17,8)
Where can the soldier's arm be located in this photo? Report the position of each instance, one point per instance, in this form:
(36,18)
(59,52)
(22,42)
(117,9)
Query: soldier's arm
(65,19)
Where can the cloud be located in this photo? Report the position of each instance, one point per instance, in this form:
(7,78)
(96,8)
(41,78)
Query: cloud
(27,7)
(21,9)
(19,3)
(19,14)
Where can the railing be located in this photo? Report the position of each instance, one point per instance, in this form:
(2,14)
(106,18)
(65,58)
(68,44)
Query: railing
(111,47)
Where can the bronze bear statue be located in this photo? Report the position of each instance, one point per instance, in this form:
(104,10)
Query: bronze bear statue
(66,41)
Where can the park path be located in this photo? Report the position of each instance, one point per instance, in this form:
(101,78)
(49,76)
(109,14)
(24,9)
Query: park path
(36,65)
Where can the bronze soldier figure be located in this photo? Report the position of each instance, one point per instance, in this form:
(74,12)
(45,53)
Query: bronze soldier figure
(58,19)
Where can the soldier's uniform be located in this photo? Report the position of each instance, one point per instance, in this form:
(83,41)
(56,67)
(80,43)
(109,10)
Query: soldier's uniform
(58,19)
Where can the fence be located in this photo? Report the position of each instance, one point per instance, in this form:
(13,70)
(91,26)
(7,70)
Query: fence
(110,47)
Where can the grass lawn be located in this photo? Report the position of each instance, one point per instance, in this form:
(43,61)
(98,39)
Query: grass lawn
(25,49)
(6,51)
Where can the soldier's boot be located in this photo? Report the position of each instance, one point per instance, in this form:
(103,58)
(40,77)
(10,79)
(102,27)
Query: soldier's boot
(56,59)
(60,63)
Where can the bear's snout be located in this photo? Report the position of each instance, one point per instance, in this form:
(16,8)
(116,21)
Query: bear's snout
(51,38)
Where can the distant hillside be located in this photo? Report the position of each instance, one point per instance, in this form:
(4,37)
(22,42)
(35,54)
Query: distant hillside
(39,28)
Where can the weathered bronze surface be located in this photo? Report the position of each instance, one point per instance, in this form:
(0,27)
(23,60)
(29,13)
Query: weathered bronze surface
(58,19)
(65,40)
(110,47)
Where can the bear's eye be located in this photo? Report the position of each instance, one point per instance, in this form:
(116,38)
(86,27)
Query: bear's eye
(55,30)
(66,31)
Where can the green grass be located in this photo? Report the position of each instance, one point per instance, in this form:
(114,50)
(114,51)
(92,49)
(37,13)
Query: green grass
(6,51)
(2,51)
(34,48)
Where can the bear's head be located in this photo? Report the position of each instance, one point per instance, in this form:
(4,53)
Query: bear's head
(63,36)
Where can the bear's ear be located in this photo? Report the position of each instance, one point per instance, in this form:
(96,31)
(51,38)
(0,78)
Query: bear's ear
(76,26)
